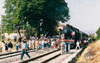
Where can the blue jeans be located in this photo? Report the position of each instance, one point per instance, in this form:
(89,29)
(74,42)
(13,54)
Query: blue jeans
(40,46)
(17,47)
(66,46)
(23,52)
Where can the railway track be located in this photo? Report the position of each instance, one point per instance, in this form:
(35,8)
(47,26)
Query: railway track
(8,55)
(2,54)
(14,57)
(53,57)
(46,58)
(43,58)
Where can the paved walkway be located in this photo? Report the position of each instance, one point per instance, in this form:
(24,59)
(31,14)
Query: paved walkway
(65,58)
(69,58)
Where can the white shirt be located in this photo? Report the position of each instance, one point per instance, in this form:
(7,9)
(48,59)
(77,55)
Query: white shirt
(30,43)
(78,43)
(24,45)
(3,46)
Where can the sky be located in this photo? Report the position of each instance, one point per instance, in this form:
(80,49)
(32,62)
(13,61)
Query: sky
(84,14)
(1,9)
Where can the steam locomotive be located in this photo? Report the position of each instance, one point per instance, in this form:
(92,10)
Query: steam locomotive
(72,35)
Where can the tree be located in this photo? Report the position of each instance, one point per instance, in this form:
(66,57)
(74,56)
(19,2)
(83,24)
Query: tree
(92,36)
(98,33)
(43,15)
(10,19)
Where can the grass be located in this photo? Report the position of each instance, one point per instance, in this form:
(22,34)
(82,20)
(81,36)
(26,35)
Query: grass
(79,55)
(91,54)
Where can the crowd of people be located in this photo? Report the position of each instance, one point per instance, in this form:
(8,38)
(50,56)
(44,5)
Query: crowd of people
(32,44)
(37,44)
(7,46)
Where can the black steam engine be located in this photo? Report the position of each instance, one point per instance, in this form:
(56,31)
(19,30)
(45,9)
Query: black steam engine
(72,33)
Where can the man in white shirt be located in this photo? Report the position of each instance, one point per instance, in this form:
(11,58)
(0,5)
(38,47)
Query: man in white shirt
(78,45)
(3,46)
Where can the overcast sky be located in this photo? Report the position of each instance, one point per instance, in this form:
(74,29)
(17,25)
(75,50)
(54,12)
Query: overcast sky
(1,9)
(85,14)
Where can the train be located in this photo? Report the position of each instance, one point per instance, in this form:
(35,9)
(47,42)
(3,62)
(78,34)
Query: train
(72,35)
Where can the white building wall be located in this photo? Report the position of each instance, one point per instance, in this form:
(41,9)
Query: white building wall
(11,35)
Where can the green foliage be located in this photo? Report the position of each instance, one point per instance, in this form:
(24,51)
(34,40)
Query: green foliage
(98,34)
(9,18)
(29,30)
(92,36)
(47,12)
